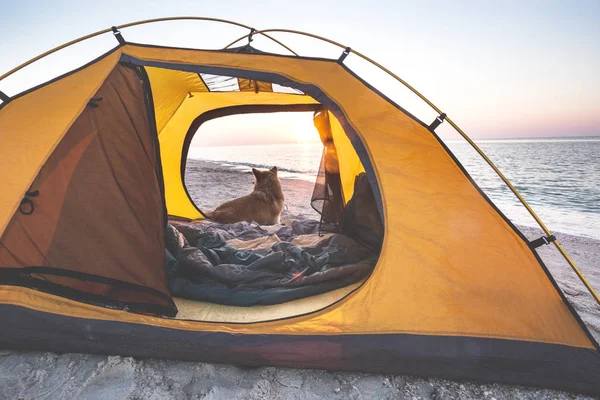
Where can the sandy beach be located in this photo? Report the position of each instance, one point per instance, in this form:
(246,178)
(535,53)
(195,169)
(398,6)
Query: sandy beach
(42,375)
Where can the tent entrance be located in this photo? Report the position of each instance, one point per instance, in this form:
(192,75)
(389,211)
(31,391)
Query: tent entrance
(336,167)
(92,225)
(101,200)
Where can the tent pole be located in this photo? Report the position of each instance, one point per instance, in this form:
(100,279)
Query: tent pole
(261,32)
(148,21)
(34,59)
(270,37)
(463,134)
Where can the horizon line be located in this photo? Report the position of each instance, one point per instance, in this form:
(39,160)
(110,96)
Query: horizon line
(457,139)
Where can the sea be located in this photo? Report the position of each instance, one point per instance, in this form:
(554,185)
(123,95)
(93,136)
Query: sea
(558,177)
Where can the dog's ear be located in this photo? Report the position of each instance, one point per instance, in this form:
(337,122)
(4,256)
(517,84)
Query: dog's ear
(255,172)
(274,170)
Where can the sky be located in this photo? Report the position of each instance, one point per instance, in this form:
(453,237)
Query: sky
(498,69)
(272,128)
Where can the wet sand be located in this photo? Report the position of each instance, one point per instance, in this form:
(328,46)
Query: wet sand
(38,375)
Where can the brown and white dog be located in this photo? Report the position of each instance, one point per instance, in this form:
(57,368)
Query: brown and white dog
(263,205)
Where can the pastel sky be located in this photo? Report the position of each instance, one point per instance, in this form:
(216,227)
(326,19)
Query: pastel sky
(499,69)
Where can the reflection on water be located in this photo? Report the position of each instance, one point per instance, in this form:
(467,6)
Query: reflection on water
(559,178)
(300,161)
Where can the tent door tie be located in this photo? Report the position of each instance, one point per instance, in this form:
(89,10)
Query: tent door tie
(118,35)
(26,207)
(347,51)
(534,244)
(4,97)
(437,121)
(93,103)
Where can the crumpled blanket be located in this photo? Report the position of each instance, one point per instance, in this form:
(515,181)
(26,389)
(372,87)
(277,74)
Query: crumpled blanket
(244,264)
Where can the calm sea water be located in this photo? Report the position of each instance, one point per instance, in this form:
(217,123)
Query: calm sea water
(559,178)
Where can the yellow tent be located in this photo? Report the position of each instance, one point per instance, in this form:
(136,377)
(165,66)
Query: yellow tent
(458,291)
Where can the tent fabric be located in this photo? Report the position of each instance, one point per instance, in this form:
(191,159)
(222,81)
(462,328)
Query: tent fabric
(169,90)
(66,327)
(249,85)
(99,211)
(456,292)
(211,312)
(55,106)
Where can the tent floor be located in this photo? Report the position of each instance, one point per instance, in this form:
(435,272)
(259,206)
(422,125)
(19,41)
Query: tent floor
(210,312)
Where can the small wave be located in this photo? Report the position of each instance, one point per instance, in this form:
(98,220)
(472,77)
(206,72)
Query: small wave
(236,168)
(249,166)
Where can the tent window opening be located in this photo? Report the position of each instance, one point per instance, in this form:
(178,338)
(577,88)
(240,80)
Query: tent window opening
(224,150)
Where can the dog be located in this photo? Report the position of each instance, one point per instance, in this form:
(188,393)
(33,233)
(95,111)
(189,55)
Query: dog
(263,205)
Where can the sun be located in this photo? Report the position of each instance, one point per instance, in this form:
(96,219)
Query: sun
(304,130)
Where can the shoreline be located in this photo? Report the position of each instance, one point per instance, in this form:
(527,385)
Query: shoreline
(44,375)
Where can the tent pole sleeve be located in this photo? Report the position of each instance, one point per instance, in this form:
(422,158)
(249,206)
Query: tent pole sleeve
(464,135)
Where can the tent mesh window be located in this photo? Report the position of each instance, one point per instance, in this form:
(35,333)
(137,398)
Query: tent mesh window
(327,197)
(222,83)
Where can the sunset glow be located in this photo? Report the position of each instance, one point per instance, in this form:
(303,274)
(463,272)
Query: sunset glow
(249,129)
(304,131)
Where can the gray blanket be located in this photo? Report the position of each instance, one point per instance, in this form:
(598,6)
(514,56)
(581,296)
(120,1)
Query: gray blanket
(244,264)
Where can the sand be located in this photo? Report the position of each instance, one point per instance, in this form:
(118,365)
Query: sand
(42,375)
